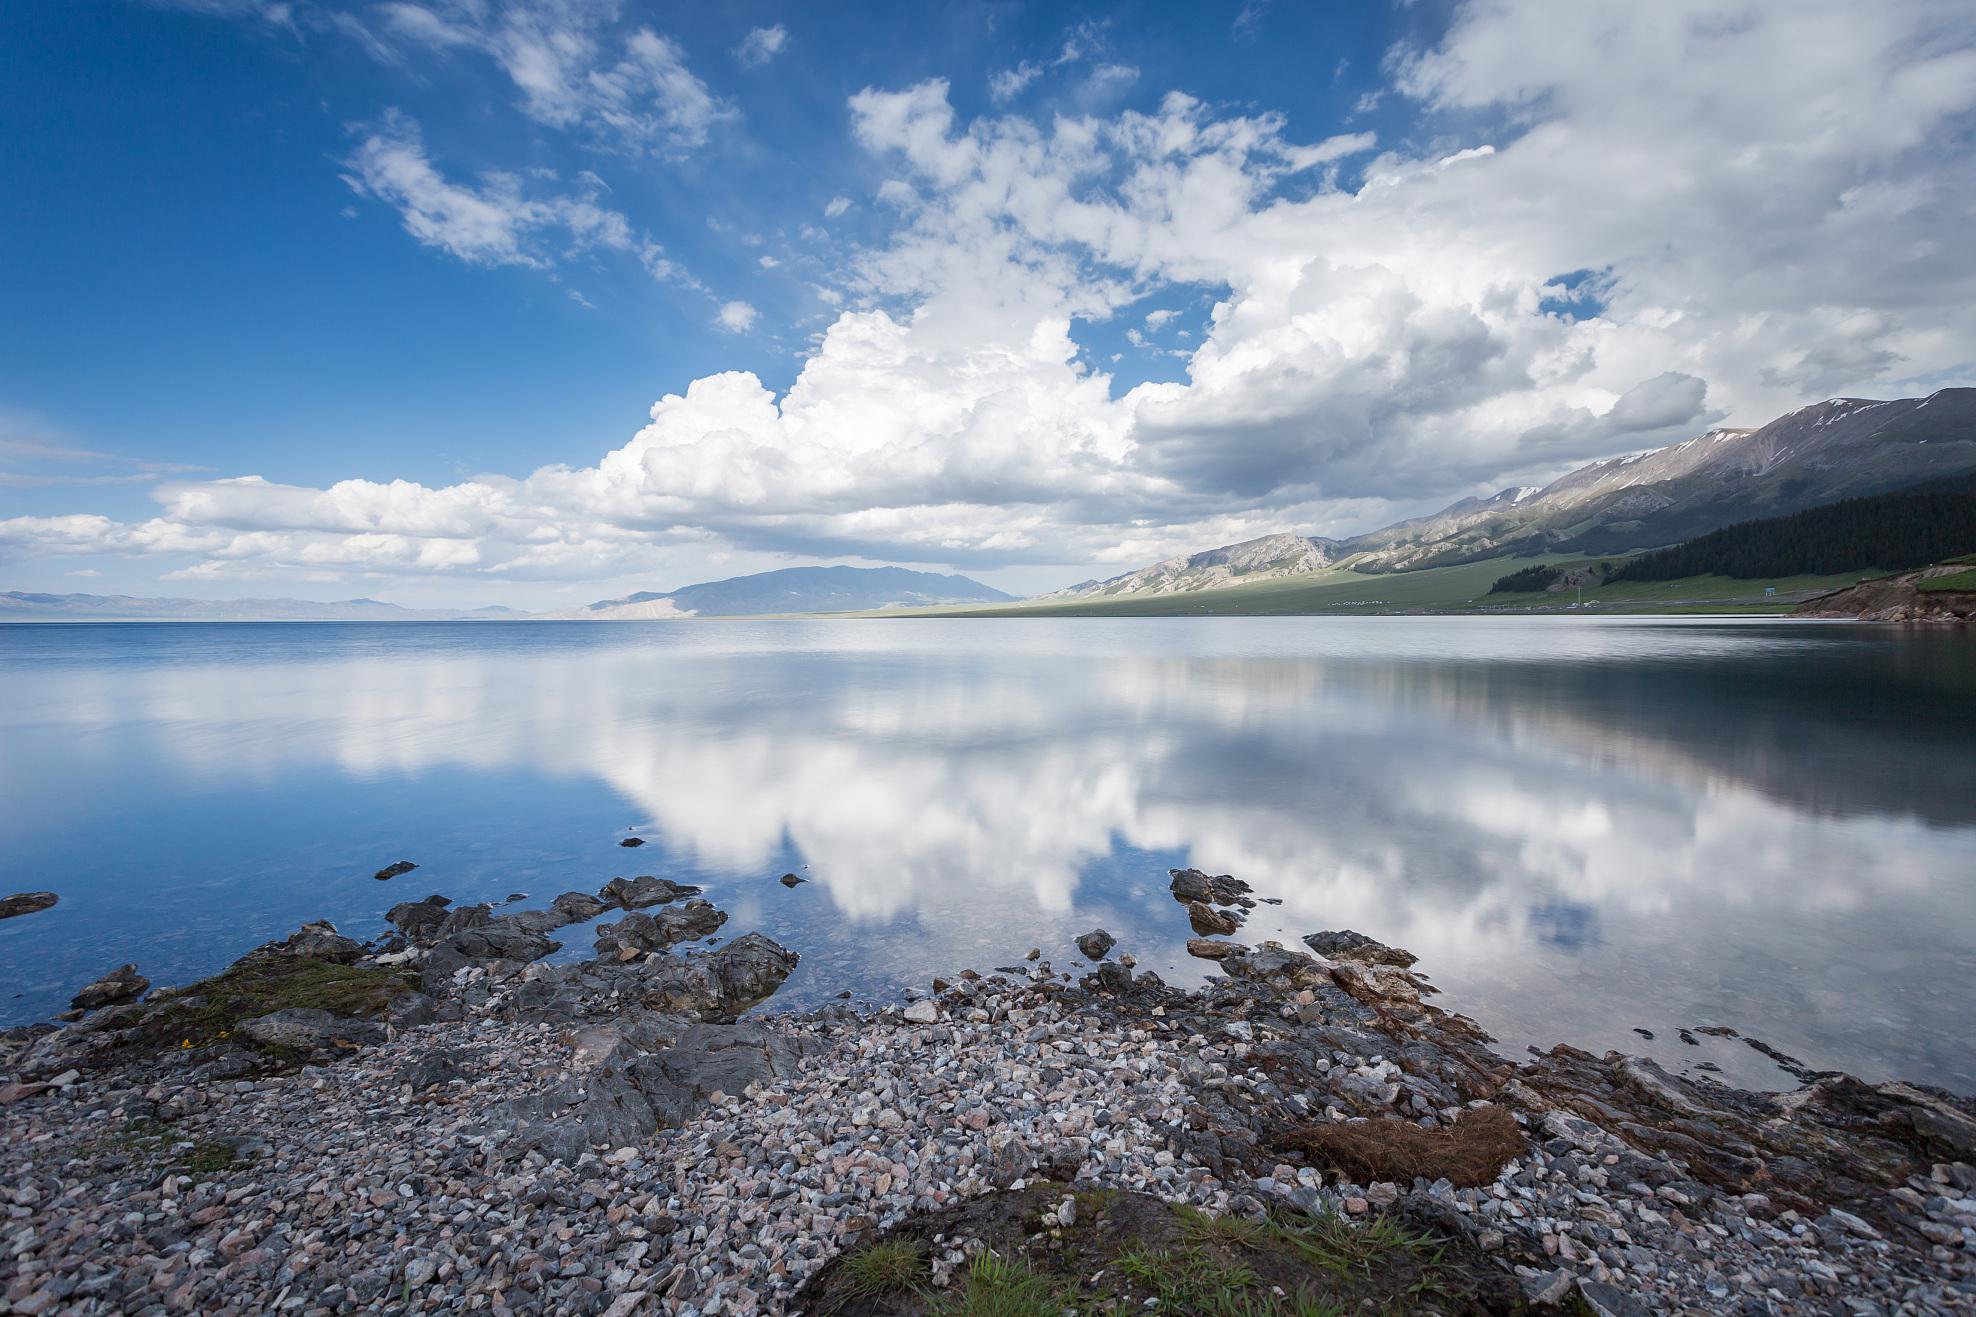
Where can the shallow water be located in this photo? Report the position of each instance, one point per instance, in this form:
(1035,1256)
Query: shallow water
(1583,826)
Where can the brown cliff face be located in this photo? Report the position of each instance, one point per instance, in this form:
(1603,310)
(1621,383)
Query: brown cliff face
(1898,599)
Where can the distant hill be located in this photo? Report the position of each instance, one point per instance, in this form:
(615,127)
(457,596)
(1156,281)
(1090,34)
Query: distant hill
(22,606)
(1887,532)
(794,590)
(1838,449)
(1263,559)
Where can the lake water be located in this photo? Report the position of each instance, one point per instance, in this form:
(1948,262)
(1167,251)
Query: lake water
(1583,826)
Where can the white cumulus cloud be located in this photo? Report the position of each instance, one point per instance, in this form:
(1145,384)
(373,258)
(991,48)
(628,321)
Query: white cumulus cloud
(1739,216)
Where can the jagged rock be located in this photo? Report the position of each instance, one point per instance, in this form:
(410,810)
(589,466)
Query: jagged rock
(579,906)
(1209,922)
(638,934)
(923,1011)
(464,917)
(26,903)
(495,940)
(1191,885)
(538,921)
(719,985)
(121,984)
(1209,949)
(1608,1300)
(391,871)
(644,890)
(419,921)
(1096,944)
(1347,945)
(1111,977)
(1276,965)
(305,1029)
(318,940)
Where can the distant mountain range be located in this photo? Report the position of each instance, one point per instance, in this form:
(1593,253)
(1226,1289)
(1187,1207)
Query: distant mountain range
(791,590)
(21,606)
(1841,448)
(794,590)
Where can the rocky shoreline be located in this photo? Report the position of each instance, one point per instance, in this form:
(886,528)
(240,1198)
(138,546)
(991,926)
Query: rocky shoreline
(441,1121)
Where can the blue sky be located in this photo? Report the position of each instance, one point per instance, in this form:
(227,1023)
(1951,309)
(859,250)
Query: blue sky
(332,298)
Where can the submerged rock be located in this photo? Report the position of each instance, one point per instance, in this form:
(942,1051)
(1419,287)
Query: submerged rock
(391,871)
(26,903)
(1096,943)
(791,880)
(121,984)
(632,842)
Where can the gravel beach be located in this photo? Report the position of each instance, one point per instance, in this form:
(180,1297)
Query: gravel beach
(625,1136)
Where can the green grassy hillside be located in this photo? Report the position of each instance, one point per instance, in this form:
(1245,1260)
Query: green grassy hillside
(1460,589)
(1435,589)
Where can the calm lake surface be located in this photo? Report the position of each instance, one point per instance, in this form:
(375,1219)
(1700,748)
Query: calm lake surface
(1584,827)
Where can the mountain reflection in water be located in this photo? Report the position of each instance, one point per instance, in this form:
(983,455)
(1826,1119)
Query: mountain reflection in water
(1581,826)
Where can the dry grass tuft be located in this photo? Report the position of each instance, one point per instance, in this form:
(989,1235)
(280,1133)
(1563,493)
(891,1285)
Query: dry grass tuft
(1471,1152)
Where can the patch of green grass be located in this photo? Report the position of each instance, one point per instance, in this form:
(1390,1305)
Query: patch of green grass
(213,1009)
(1689,591)
(1190,1280)
(1229,1231)
(997,1287)
(1955,581)
(1336,1245)
(886,1267)
(156,1140)
(1187,1279)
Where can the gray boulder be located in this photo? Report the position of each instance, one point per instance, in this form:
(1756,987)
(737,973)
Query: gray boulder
(718,985)
(642,891)
(419,921)
(639,934)
(464,917)
(495,940)
(1344,944)
(431,1070)
(579,906)
(318,940)
(411,1010)
(303,1029)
